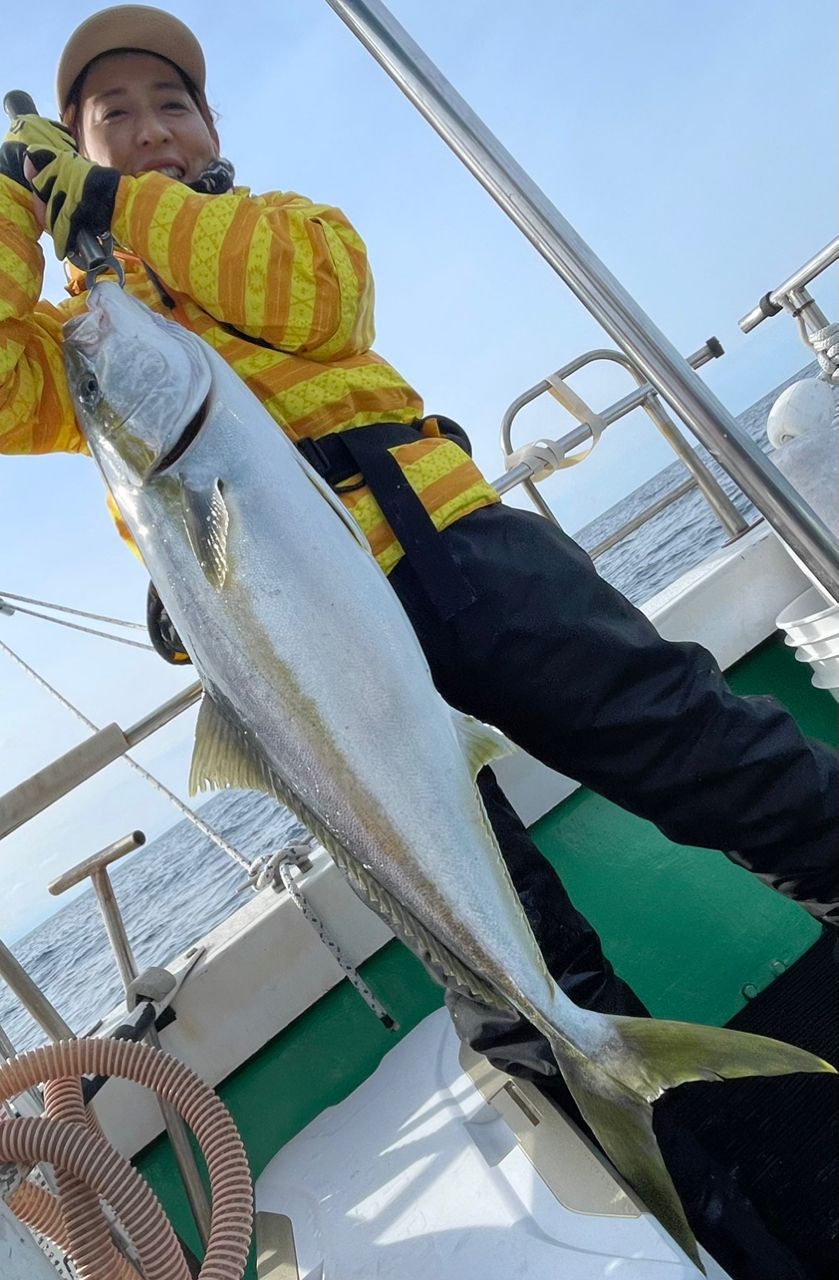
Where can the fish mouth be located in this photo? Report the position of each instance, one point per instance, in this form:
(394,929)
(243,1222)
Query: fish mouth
(83,332)
(189,434)
(86,331)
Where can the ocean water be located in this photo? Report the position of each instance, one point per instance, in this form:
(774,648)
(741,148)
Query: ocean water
(179,886)
(683,534)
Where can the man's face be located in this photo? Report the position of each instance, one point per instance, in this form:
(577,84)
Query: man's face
(136,115)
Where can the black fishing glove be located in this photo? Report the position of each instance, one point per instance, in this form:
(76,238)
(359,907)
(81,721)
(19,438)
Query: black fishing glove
(162,633)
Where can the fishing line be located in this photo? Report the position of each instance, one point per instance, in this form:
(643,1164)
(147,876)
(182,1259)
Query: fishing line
(75,626)
(80,613)
(188,813)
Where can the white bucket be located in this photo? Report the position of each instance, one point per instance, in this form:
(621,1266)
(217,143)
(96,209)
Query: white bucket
(820,649)
(828,681)
(809,619)
(827,670)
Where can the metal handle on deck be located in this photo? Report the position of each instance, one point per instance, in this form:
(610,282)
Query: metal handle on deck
(96,869)
(97,862)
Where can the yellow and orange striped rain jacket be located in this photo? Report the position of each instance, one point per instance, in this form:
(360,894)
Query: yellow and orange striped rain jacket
(278,269)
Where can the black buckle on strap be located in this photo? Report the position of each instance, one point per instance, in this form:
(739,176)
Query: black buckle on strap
(331,458)
(315,455)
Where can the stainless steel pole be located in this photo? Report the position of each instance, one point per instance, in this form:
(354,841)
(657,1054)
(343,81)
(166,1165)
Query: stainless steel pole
(773,302)
(595,286)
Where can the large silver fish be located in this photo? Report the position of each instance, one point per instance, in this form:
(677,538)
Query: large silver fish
(317,691)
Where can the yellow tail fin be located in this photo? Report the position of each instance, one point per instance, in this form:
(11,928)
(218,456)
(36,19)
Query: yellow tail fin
(646,1057)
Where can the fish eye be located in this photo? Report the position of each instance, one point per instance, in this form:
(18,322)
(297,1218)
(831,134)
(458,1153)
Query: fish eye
(89,391)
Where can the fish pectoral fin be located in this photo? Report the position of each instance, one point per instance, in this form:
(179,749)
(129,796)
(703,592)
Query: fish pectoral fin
(481,744)
(208,523)
(223,756)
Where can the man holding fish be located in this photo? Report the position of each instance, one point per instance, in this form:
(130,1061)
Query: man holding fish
(517,628)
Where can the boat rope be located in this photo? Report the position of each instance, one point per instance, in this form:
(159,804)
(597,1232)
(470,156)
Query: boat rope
(79,613)
(825,343)
(189,814)
(277,871)
(75,626)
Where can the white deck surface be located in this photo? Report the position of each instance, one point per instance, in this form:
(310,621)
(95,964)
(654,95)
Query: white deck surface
(416,1177)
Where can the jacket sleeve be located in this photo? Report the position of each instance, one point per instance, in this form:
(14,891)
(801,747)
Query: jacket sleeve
(35,411)
(277,267)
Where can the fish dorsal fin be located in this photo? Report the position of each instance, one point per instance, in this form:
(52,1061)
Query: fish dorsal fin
(481,744)
(223,756)
(208,524)
(334,501)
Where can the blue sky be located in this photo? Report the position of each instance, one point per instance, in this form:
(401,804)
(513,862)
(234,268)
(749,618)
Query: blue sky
(691,145)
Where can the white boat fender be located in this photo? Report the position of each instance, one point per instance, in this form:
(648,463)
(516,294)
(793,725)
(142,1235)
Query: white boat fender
(806,406)
(803,427)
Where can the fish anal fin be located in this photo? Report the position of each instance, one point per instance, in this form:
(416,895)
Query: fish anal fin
(223,756)
(208,524)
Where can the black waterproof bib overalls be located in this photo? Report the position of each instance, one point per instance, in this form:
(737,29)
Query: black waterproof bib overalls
(520,631)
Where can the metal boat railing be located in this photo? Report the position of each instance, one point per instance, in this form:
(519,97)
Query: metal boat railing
(81,762)
(598,290)
(645,397)
(95,869)
(792,295)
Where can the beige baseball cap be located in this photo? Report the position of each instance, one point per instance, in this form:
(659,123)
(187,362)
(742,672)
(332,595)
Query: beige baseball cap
(131,26)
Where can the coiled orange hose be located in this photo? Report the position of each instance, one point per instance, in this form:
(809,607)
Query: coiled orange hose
(43,1213)
(83,1156)
(87,1236)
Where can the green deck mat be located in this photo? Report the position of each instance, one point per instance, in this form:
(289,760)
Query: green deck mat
(692,933)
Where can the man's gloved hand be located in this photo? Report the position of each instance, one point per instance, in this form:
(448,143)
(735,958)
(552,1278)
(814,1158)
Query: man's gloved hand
(78,195)
(162,633)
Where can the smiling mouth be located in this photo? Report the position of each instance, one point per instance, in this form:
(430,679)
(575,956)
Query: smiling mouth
(168,171)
